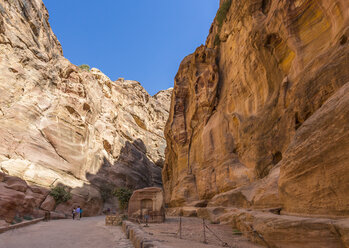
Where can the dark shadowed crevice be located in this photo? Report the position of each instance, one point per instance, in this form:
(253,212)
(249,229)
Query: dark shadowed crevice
(343,40)
(297,122)
(265,6)
(277,157)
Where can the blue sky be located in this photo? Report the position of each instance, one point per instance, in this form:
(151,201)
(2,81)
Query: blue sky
(143,40)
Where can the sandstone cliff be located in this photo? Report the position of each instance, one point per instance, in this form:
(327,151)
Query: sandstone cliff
(60,124)
(259,120)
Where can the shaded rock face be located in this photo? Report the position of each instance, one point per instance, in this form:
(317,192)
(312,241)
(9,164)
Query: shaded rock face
(258,117)
(18,198)
(60,124)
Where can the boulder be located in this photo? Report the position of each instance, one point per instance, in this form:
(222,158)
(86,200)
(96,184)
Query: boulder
(48,204)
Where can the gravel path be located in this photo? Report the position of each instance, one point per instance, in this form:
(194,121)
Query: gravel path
(85,233)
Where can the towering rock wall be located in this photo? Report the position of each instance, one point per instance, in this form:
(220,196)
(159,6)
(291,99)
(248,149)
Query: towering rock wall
(62,125)
(259,115)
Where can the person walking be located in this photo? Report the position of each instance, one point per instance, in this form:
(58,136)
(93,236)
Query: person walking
(80,213)
(77,211)
(73,212)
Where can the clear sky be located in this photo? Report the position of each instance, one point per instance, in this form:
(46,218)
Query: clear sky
(143,40)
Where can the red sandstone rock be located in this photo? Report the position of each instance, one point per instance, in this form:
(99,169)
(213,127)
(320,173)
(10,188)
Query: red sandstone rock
(49,204)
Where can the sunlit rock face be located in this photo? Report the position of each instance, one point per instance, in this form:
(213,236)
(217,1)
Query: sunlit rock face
(259,115)
(62,125)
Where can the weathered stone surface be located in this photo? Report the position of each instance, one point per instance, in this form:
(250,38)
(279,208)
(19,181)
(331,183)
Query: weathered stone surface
(259,120)
(239,105)
(60,124)
(87,198)
(113,220)
(57,216)
(16,184)
(147,202)
(259,194)
(48,204)
(314,175)
(3,223)
(139,238)
(17,198)
(285,231)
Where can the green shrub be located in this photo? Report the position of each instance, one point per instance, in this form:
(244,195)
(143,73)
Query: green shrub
(17,220)
(237,232)
(217,40)
(84,67)
(123,195)
(222,12)
(27,217)
(60,194)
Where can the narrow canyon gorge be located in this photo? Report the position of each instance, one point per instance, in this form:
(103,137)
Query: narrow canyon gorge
(254,133)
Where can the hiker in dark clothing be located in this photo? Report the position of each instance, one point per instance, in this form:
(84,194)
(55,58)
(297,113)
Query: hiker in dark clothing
(80,213)
(73,213)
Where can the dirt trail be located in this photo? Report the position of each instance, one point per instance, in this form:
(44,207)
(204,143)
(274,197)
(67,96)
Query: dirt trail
(85,233)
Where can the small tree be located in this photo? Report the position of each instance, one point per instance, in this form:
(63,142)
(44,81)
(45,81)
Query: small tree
(217,40)
(123,195)
(84,67)
(60,194)
(222,12)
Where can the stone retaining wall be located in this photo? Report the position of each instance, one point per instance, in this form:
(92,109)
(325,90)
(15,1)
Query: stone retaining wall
(19,225)
(113,220)
(138,237)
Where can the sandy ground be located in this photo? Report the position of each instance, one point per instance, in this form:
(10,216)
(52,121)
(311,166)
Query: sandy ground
(192,234)
(85,233)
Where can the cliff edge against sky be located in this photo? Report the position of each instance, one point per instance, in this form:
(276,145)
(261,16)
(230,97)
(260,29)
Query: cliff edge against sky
(62,125)
(259,121)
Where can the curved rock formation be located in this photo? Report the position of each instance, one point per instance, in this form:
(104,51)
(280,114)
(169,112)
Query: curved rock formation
(258,118)
(60,124)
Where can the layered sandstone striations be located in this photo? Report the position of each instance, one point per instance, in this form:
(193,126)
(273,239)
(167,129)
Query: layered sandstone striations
(259,119)
(60,124)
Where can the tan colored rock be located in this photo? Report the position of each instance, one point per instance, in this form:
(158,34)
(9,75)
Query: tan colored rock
(273,230)
(48,204)
(60,124)
(189,211)
(113,220)
(147,202)
(260,194)
(238,105)
(314,176)
(258,120)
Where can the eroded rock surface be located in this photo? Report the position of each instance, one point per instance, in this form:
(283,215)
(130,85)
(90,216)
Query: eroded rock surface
(60,124)
(258,118)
